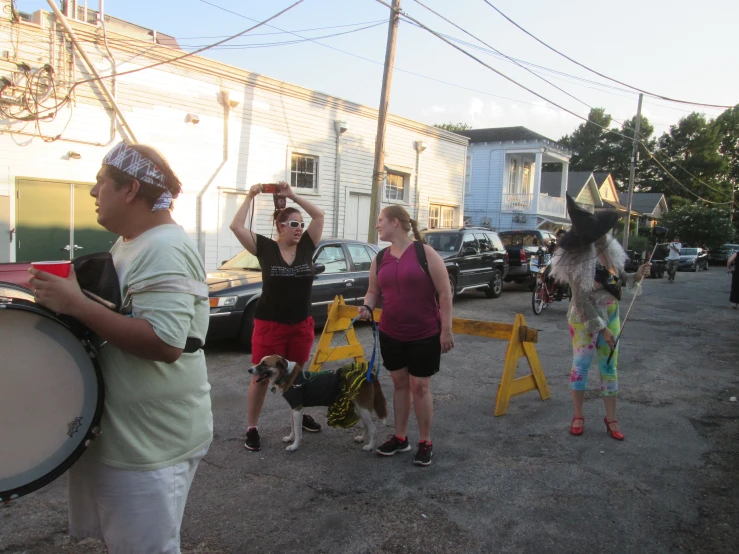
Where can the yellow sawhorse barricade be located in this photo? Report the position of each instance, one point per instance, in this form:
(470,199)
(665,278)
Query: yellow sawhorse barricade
(521,340)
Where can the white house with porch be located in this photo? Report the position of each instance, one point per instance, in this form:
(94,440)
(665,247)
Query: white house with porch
(503,180)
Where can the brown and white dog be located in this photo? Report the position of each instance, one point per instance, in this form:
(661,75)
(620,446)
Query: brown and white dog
(319,390)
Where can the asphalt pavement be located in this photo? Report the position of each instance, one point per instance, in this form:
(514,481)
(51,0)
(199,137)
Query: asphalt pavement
(516,483)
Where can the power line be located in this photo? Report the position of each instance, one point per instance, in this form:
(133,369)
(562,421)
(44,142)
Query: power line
(667,171)
(641,142)
(501,53)
(287,42)
(193,53)
(598,73)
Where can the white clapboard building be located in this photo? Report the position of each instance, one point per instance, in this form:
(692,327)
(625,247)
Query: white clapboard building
(222,128)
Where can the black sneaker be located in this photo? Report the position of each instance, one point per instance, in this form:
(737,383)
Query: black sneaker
(393,445)
(423,456)
(252,440)
(310,425)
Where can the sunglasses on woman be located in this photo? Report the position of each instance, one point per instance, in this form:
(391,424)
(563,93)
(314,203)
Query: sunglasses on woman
(294,224)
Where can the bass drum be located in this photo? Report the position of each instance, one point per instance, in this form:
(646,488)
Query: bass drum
(51,394)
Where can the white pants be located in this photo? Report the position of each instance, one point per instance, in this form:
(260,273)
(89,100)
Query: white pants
(134,512)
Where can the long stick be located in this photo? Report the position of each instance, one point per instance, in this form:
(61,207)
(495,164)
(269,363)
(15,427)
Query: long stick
(626,317)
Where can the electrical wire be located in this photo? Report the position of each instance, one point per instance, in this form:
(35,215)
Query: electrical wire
(501,53)
(194,52)
(667,171)
(652,94)
(282,43)
(640,141)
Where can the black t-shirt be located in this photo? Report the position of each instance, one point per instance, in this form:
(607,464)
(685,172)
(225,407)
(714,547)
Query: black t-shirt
(286,289)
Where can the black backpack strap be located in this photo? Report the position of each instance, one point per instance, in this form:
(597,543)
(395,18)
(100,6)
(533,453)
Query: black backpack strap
(421,255)
(378,260)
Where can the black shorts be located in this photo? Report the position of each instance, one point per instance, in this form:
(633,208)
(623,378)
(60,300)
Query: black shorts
(421,357)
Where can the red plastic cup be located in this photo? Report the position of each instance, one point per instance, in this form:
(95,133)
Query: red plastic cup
(60,268)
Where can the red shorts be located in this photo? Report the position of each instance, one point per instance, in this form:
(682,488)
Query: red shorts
(292,342)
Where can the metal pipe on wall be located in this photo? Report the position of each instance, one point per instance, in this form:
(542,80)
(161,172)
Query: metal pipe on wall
(340,127)
(419,146)
(93,69)
(228,104)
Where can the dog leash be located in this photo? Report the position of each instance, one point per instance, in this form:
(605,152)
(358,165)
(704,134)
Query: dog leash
(376,337)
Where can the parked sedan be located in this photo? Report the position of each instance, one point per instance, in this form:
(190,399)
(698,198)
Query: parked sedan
(237,285)
(721,255)
(693,259)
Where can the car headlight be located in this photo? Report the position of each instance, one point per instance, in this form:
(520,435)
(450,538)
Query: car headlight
(222,301)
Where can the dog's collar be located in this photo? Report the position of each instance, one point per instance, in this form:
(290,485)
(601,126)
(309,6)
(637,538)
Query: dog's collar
(290,367)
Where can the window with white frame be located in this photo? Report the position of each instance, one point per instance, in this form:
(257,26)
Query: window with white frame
(441,217)
(396,186)
(513,176)
(304,172)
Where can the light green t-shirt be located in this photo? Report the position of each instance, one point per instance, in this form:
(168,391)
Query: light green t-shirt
(157,414)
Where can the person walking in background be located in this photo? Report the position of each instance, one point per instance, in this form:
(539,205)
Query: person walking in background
(734,296)
(130,486)
(415,327)
(673,258)
(282,321)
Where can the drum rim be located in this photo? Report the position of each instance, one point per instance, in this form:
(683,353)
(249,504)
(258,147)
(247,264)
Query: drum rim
(91,434)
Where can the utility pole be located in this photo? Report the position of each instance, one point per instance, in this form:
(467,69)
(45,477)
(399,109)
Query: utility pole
(634,157)
(378,171)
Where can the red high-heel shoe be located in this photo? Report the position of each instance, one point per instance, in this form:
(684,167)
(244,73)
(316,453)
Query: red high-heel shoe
(577,431)
(618,435)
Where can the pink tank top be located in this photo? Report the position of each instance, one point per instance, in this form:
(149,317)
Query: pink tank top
(410,310)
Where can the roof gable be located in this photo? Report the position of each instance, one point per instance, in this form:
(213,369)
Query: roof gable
(642,202)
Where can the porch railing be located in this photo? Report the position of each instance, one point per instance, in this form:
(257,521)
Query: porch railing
(552,205)
(522,202)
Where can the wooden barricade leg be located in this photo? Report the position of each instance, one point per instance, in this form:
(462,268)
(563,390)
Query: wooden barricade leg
(337,322)
(510,386)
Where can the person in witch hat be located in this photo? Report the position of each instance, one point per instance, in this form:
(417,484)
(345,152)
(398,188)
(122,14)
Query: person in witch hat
(591,261)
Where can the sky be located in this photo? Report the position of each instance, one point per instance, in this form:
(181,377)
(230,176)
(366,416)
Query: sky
(675,48)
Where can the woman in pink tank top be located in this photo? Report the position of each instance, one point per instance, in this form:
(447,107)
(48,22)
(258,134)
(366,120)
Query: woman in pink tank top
(415,328)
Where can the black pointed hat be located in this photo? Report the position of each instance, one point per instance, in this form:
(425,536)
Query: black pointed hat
(586,227)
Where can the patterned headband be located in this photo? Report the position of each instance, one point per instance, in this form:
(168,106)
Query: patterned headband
(132,163)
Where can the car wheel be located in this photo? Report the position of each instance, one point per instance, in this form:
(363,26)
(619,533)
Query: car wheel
(453,285)
(495,288)
(246,329)
(537,299)
(694,267)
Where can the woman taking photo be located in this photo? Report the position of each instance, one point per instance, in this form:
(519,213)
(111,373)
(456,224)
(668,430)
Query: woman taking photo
(282,321)
(415,328)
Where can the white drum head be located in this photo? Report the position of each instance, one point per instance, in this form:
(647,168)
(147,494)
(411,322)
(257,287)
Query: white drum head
(49,393)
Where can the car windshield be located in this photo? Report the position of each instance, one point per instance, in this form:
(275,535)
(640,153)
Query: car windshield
(520,240)
(243,260)
(730,247)
(688,251)
(442,242)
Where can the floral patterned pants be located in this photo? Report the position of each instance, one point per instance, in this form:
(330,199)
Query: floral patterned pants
(587,345)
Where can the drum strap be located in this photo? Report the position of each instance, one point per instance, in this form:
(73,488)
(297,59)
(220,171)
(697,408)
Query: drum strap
(170,284)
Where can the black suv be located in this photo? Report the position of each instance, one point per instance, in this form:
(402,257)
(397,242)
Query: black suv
(475,258)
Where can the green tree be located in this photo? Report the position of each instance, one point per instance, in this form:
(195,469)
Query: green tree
(597,146)
(728,125)
(691,152)
(453,126)
(698,225)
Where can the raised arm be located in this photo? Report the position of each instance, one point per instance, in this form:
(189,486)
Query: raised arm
(246,237)
(315,228)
